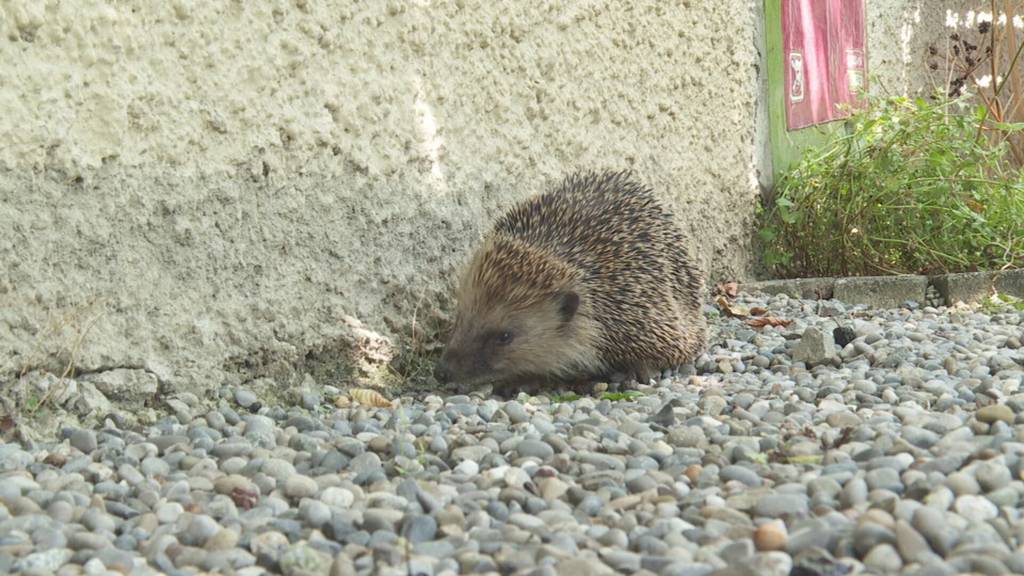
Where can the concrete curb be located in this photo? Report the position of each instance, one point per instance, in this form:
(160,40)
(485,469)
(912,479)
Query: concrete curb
(882,291)
(892,291)
(974,286)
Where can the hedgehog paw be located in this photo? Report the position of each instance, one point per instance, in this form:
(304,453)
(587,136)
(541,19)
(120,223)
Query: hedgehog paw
(644,375)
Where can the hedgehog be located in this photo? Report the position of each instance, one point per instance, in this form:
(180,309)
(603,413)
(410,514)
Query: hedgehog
(589,280)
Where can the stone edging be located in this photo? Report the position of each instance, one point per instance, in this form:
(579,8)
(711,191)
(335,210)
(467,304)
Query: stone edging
(893,291)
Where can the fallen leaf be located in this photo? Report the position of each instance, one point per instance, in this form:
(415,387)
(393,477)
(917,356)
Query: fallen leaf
(7,423)
(758,311)
(757,458)
(370,398)
(730,289)
(56,460)
(244,499)
(768,321)
(734,310)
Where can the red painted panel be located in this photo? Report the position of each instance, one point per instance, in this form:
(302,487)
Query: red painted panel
(825,58)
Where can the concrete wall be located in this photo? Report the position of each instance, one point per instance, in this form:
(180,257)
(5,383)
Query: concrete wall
(202,189)
(900,33)
(185,183)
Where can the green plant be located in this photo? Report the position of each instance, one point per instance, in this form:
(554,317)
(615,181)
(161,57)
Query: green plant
(617,396)
(907,189)
(1002,303)
(985,58)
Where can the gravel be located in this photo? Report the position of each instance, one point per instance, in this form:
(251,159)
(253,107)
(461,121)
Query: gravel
(850,441)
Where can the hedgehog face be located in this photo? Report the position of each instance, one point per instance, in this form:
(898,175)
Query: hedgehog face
(504,340)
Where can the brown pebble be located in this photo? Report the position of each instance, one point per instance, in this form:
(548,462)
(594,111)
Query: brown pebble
(693,472)
(770,536)
(995,413)
(231,482)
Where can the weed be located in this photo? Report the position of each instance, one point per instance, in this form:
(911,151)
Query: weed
(418,345)
(617,396)
(1002,303)
(32,403)
(909,189)
(985,61)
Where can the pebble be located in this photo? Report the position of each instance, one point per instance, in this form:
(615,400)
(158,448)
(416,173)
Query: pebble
(84,440)
(931,523)
(816,346)
(299,487)
(975,509)
(771,536)
(884,558)
(245,398)
(771,564)
(535,449)
(912,546)
(775,505)
(995,413)
(199,530)
(992,476)
(337,497)
(741,474)
(420,528)
(890,444)
(169,512)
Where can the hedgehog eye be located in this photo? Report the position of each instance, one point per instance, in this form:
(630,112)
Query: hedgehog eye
(504,338)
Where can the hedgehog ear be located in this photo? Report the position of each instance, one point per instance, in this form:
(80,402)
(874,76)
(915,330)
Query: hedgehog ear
(568,303)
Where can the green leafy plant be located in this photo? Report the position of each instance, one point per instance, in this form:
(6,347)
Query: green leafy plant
(617,396)
(982,60)
(908,188)
(1002,303)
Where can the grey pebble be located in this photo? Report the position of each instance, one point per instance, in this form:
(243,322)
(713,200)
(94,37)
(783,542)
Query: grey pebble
(535,449)
(245,398)
(420,528)
(777,505)
(890,444)
(84,440)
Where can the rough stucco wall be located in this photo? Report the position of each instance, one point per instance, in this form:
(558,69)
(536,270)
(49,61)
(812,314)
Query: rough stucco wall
(899,35)
(186,182)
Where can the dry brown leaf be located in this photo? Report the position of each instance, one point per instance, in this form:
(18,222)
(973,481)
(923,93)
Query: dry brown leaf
(768,321)
(7,423)
(343,401)
(370,398)
(244,499)
(56,460)
(729,289)
(734,310)
(758,311)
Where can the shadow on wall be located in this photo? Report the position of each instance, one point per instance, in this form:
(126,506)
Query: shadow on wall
(925,32)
